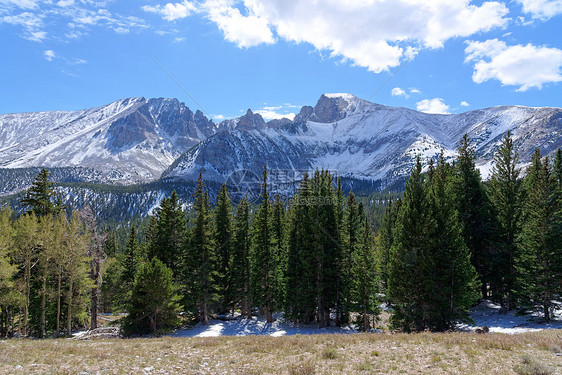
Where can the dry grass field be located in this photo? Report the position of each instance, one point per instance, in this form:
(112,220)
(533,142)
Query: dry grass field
(449,353)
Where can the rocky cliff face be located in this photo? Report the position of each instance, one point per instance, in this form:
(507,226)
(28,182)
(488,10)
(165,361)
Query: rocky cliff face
(140,140)
(360,140)
(128,141)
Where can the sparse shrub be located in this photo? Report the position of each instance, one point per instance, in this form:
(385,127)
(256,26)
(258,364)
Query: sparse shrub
(307,367)
(530,366)
(329,353)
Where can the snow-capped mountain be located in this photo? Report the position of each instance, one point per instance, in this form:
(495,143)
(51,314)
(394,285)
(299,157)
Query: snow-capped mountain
(140,140)
(130,140)
(357,139)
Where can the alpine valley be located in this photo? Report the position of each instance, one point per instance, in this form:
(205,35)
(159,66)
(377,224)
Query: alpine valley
(148,147)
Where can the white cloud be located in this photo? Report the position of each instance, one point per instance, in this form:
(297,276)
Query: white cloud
(397,91)
(524,66)
(413,90)
(465,104)
(245,31)
(542,9)
(178,39)
(24,4)
(78,18)
(50,55)
(375,34)
(65,3)
(276,112)
(172,12)
(436,105)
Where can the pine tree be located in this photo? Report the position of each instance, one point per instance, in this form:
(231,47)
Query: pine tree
(351,242)
(41,197)
(506,195)
(168,233)
(278,239)
(300,300)
(8,294)
(131,260)
(431,280)
(328,246)
(223,251)
(154,300)
(474,210)
(240,266)
(539,259)
(201,258)
(263,263)
(385,242)
(364,285)
(557,168)
(456,279)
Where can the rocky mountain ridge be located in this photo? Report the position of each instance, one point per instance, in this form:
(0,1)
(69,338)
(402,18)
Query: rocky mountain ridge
(141,140)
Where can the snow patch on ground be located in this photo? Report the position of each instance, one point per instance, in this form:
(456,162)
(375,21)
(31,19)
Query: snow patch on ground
(257,326)
(490,315)
(485,314)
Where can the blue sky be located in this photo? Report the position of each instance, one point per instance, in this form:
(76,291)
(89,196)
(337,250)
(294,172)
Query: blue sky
(440,56)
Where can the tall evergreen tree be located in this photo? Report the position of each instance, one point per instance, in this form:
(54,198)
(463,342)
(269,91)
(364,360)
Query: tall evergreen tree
(300,300)
(385,242)
(168,233)
(456,281)
(351,242)
(240,266)
(201,257)
(41,198)
(278,239)
(474,210)
(364,285)
(506,195)
(431,281)
(264,265)
(223,243)
(557,168)
(539,259)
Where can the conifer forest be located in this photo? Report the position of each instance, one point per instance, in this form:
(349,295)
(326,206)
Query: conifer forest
(448,241)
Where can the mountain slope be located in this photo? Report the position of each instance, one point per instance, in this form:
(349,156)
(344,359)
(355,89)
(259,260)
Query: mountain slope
(131,140)
(357,139)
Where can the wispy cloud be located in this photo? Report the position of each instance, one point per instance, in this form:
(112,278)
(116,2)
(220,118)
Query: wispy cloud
(73,19)
(172,12)
(49,55)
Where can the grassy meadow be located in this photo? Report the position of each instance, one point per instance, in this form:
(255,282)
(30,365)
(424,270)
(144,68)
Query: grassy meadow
(533,353)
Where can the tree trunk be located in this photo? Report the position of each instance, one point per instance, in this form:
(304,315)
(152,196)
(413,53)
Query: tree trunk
(57,333)
(43,296)
(27,277)
(69,317)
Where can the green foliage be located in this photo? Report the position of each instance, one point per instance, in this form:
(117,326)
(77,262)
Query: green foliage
(506,195)
(223,242)
(167,234)
(539,259)
(41,197)
(264,273)
(474,210)
(431,281)
(155,303)
(240,262)
(200,274)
